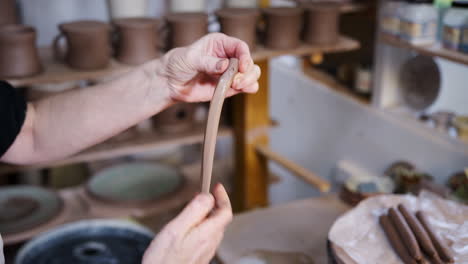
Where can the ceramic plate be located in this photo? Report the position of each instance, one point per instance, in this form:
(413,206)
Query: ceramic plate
(135,182)
(25,207)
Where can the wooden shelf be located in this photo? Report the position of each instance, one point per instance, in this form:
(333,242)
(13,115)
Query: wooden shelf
(344,44)
(139,143)
(56,72)
(435,50)
(330,82)
(411,121)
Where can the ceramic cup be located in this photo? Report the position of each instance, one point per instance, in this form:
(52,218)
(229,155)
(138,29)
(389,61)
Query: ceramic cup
(137,40)
(8,12)
(283,27)
(240,23)
(321,23)
(185,28)
(88,44)
(18,52)
(176,118)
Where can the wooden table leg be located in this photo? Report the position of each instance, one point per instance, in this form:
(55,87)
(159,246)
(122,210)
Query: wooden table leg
(251,117)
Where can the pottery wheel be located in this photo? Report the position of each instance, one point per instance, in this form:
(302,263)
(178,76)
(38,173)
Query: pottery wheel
(420,82)
(88,242)
(25,207)
(135,183)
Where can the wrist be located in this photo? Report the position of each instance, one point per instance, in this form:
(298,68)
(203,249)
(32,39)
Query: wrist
(156,84)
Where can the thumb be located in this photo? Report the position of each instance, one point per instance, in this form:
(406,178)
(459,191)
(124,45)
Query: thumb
(213,65)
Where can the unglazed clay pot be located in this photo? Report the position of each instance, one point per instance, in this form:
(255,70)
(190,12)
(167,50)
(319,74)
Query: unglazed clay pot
(88,44)
(137,40)
(8,13)
(283,27)
(186,28)
(18,52)
(177,118)
(321,23)
(240,23)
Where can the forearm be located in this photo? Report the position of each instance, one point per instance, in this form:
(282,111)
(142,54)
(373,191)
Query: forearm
(64,124)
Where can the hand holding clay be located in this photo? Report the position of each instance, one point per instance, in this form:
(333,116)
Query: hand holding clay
(195,234)
(191,73)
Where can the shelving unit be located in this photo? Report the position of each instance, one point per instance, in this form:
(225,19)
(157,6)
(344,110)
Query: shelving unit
(57,72)
(137,143)
(435,50)
(391,54)
(250,127)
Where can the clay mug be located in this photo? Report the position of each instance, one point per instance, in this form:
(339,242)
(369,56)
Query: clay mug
(137,40)
(283,27)
(321,23)
(18,52)
(88,44)
(176,118)
(240,23)
(185,28)
(8,12)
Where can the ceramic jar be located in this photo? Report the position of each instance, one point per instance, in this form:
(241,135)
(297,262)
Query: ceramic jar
(18,52)
(283,27)
(137,40)
(240,23)
(8,12)
(321,24)
(88,44)
(127,8)
(186,28)
(176,118)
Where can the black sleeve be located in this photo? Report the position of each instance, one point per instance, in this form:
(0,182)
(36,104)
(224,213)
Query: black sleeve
(12,115)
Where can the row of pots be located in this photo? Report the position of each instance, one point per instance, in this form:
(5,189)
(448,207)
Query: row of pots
(89,45)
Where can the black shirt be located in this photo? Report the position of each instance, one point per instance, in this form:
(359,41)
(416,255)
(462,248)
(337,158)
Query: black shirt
(12,115)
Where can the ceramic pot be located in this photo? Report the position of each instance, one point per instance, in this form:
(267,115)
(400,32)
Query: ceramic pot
(18,52)
(88,241)
(127,8)
(88,44)
(240,23)
(177,118)
(8,13)
(321,24)
(138,40)
(461,124)
(283,27)
(186,28)
(187,6)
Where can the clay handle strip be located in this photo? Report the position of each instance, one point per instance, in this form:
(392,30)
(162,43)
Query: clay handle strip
(212,124)
(308,176)
(443,251)
(405,233)
(395,240)
(419,232)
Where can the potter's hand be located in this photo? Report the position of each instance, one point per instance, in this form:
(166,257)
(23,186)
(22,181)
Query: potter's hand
(193,236)
(191,73)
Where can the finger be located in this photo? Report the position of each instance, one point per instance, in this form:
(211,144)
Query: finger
(251,89)
(247,79)
(221,216)
(212,65)
(235,48)
(193,214)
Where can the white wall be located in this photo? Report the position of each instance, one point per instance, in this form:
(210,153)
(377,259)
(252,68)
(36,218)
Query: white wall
(319,127)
